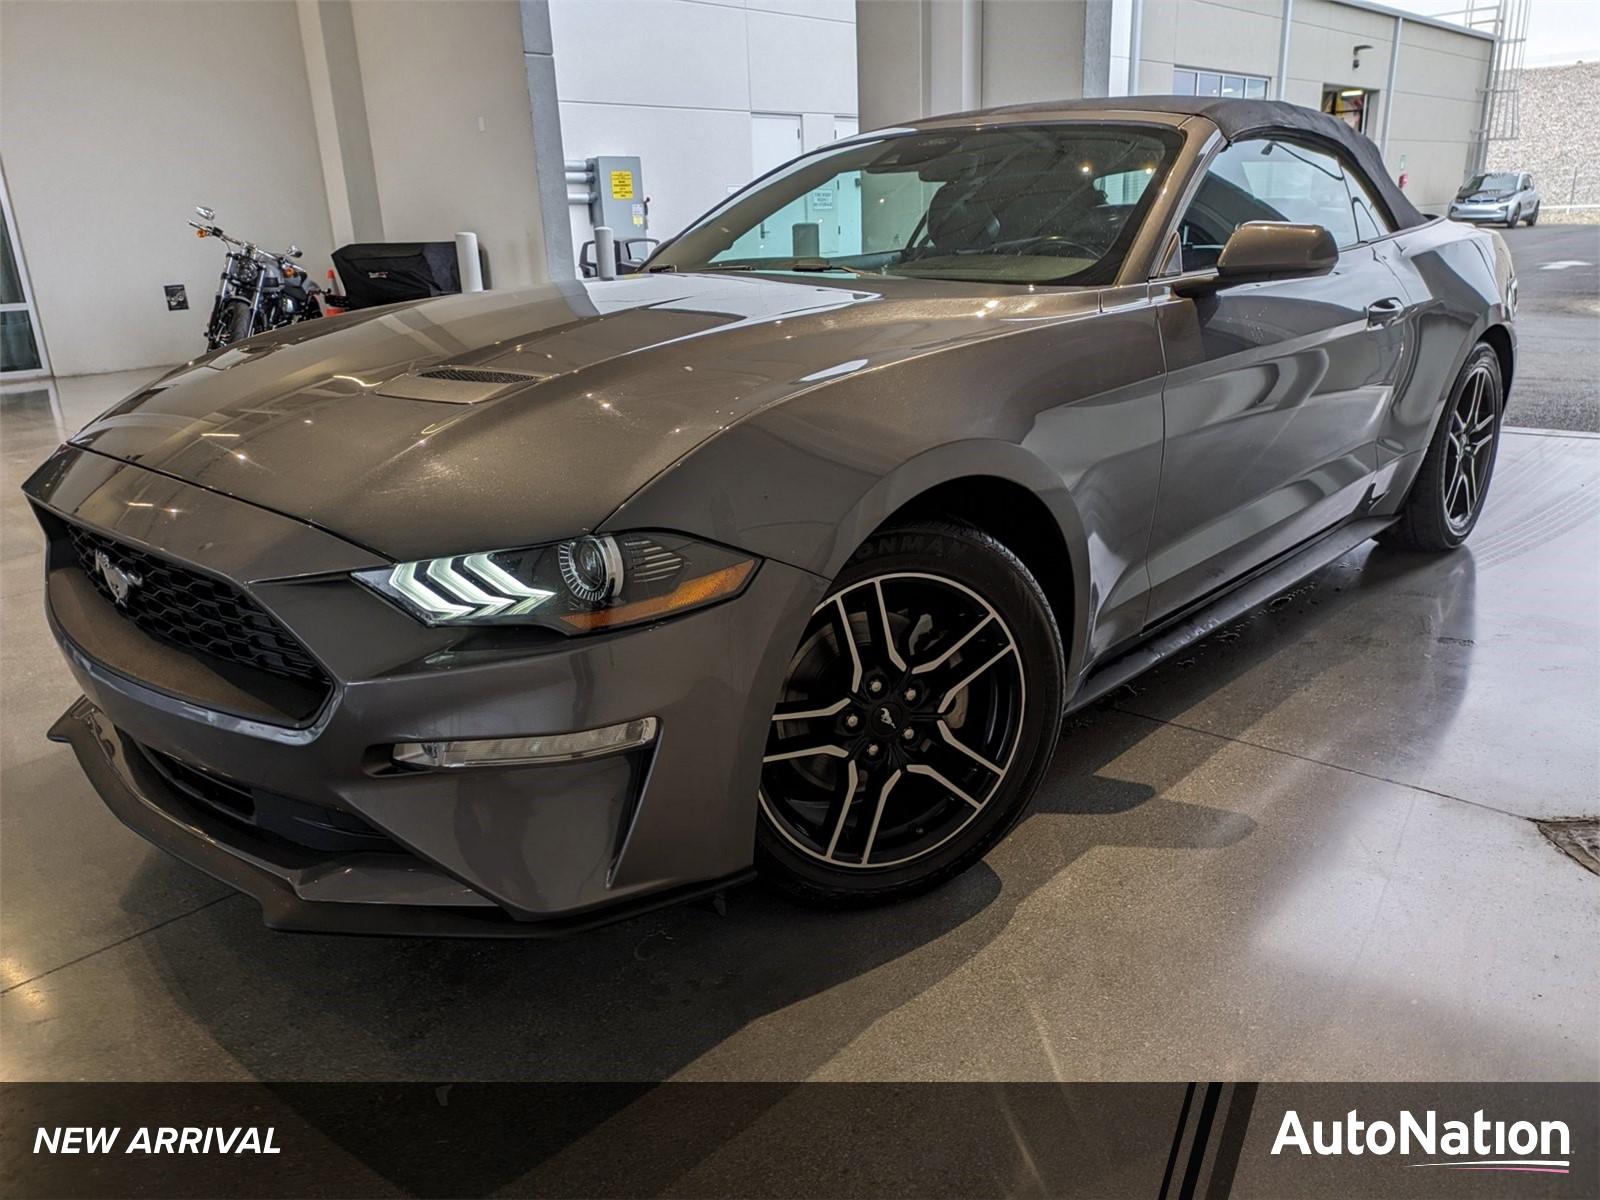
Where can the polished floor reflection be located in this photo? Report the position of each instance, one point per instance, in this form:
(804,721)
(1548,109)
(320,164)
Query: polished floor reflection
(1304,850)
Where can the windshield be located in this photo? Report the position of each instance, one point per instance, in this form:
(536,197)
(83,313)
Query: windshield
(1014,204)
(1499,182)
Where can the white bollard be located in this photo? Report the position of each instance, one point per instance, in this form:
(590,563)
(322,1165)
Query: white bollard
(468,263)
(605,252)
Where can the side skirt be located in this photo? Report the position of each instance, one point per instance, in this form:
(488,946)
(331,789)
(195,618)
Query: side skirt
(1252,590)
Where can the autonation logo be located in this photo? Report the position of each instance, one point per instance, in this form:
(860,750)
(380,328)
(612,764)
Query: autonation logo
(1476,1145)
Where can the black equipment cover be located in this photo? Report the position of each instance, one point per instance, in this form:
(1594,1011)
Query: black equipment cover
(376,273)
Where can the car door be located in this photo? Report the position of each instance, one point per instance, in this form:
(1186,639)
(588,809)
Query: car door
(1275,390)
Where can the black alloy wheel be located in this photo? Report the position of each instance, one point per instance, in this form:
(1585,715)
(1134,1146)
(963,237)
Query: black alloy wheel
(1447,497)
(919,713)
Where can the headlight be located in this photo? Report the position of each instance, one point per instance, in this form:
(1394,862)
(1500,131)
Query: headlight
(576,586)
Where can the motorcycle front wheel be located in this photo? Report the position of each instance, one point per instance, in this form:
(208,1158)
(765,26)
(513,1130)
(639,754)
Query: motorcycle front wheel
(232,324)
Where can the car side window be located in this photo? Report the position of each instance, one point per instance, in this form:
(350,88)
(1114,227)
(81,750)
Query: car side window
(1270,180)
(1369,217)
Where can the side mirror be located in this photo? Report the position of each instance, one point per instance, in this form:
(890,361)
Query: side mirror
(294,251)
(205,214)
(1260,250)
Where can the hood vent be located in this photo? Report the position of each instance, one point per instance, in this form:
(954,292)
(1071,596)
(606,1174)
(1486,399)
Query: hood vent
(457,385)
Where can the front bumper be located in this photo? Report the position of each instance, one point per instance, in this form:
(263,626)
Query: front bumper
(1480,213)
(493,850)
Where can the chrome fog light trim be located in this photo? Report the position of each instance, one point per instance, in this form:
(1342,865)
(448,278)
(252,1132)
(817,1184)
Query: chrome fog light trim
(520,751)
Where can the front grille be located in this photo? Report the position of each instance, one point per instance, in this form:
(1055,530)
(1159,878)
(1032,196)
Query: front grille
(193,611)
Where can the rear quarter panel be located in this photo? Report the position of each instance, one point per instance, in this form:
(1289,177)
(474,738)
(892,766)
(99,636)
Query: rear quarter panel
(1460,281)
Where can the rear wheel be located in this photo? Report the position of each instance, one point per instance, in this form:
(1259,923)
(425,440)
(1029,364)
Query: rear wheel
(1447,496)
(920,711)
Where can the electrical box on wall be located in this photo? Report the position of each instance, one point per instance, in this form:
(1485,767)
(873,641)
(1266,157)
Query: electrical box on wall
(617,196)
(177,297)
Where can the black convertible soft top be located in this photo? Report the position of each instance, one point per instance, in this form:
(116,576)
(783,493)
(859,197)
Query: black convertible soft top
(1237,119)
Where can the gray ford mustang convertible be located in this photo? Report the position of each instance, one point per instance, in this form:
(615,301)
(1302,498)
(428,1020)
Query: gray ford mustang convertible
(513,612)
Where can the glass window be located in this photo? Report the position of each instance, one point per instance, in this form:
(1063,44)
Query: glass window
(1499,182)
(1207,83)
(1233,87)
(1183,83)
(1255,89)
(10,278)
(1022,204)
(1263,180)
(1364,207)
(18,349)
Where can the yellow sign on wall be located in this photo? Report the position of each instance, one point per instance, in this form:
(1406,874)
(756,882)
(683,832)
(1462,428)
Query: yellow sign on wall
(622,185)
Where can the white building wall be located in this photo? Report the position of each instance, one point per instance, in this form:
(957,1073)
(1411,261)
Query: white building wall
(116,119)
(676,81)
(1441,71)
(460,155)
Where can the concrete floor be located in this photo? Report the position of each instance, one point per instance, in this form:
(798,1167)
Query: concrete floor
(1303,851)
(1558,273)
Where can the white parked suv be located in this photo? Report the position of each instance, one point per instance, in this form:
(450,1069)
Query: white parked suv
(1500,196)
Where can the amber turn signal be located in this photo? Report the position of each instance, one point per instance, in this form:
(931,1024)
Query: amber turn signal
(691,593)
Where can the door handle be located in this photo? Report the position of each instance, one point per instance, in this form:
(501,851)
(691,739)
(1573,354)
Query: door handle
(1382,312)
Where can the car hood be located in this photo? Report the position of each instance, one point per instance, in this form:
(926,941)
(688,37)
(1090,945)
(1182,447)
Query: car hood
(611,383)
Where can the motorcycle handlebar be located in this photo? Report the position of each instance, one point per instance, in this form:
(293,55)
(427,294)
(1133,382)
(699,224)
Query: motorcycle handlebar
(215,231)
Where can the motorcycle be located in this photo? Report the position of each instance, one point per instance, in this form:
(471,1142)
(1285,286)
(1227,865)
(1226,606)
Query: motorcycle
(259,289)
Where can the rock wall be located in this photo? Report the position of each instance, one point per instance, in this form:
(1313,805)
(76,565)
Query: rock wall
(1558,137)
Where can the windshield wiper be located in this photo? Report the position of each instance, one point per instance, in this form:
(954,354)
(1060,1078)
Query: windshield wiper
(818,264)
(798,264)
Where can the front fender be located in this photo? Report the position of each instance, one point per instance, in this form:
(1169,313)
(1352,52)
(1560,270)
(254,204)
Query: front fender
(750,488)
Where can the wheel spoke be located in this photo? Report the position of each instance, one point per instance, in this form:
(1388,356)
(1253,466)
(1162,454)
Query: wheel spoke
(944,732)
(877,815)
(886,628)
(847,635)
(1455,486)
(1469,484)
(944,705)
(808,752)
(851,779)
(935,664)
(923,769)
(810,714)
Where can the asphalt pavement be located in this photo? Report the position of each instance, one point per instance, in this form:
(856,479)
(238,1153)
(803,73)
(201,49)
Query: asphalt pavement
(1557,384)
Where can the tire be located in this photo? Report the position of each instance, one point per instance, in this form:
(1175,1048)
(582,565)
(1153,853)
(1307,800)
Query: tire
(233,323)
(1516,215)
(1533,217)
(1436,515)
(933,739)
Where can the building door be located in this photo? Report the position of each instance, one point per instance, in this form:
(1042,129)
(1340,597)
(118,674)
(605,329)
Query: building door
(774,140)
(22,353)
(1350,105)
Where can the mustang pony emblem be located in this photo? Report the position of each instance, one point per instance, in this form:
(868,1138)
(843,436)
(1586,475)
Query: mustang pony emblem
(119,580)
